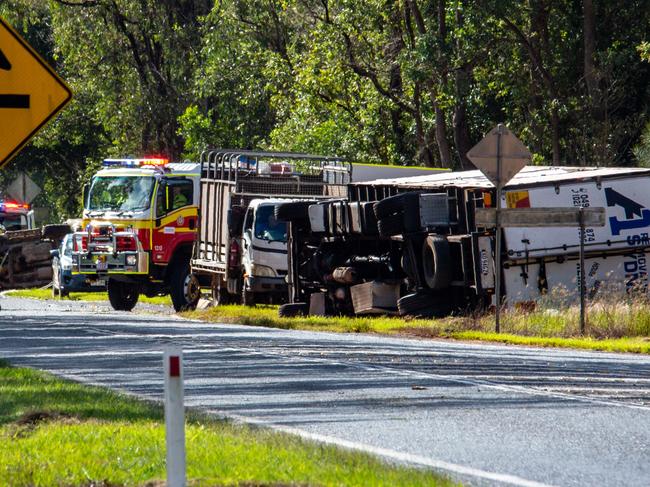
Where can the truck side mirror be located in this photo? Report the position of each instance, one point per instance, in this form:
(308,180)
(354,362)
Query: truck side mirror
(236,219)
(54,253)
(84,194)
(166,195)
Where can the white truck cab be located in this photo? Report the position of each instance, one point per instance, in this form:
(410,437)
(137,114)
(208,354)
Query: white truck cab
(264,251)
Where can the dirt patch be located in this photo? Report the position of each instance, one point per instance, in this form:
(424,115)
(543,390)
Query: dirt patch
(419,332)
(29,421)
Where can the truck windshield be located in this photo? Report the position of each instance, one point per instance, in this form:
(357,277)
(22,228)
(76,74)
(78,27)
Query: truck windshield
(267,227)
(121,193)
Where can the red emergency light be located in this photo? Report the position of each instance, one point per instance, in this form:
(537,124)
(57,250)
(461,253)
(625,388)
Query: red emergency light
(14,205)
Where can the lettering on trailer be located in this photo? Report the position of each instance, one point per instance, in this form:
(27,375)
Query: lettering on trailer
(636,272)
(11,101)
(632,208)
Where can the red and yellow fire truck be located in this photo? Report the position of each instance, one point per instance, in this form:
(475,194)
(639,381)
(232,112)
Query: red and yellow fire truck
(139,225)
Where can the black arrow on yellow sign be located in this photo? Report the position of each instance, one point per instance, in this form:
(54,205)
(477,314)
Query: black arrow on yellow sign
(11,101)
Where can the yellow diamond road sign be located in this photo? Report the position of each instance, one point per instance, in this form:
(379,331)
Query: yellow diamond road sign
(31,93)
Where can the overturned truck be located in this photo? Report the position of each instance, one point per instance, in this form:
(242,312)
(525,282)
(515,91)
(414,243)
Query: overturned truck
(410,246)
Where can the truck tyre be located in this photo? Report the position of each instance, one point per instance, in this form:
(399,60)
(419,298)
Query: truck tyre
(389,206)
(290,310)
(391,225)
(424,304)
(221,297)
(185,289)
(436,262)
(369,220)
(248,298)
(399,203)
(56,232)
(123,296)
(293,211)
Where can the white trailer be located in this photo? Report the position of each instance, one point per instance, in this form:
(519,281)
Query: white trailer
(541,260)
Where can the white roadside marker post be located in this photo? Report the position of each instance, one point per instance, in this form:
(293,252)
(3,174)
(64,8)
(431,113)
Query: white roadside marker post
(174,416)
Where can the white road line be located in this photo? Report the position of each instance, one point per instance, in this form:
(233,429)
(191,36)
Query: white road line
(384,452)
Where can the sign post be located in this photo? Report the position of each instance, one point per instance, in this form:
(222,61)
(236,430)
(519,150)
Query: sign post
(174,416)
(31,93)
(499,156)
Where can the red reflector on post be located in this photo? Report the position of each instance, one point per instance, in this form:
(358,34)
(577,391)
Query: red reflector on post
(174,366)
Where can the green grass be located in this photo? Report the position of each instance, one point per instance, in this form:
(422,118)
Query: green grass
(57,432)
(47,294)
(621,328)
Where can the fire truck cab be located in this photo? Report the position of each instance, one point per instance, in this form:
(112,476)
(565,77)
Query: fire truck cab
(139,225)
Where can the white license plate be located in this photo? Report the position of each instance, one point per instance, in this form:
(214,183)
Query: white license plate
(98,282)
(102,266)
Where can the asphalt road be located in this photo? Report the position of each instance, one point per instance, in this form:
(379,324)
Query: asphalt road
(487,415)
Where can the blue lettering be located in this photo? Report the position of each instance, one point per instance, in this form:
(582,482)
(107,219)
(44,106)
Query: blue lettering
(617,225)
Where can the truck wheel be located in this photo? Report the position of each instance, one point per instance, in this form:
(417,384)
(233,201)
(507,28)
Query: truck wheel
(391,225)
(185,289)
(123,296)
(221,297)
(399,203)
(289,310)
(424,304)
(368,220)
(248,298)
(293,211)
(436,262)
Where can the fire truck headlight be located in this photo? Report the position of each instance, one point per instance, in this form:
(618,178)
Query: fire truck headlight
(131,259)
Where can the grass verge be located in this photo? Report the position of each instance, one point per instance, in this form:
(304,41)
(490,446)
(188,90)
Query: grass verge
(58,432)
(606,331)
(619,326)
(47,294)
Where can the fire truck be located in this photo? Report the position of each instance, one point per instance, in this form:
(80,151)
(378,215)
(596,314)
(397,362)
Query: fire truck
(139,224)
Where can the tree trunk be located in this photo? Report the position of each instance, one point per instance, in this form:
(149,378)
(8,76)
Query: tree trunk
(459,120)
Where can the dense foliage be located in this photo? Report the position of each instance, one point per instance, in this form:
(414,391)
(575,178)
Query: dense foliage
(391,81)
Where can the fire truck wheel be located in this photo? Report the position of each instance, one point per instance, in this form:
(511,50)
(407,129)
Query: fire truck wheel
(123,295)
(436,262)
(185,289)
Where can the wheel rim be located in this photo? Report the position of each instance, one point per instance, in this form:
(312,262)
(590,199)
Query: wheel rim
(191,289)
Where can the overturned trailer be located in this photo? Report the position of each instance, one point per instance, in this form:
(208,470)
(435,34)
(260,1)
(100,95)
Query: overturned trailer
(411,245)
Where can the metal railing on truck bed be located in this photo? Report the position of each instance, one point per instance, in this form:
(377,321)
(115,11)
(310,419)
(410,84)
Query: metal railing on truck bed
(232,178)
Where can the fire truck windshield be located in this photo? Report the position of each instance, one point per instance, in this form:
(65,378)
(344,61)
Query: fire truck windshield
(120,193)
